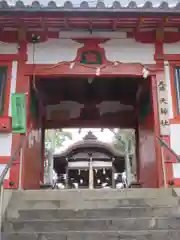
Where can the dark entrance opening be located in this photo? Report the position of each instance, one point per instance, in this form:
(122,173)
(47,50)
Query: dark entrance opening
(105,100)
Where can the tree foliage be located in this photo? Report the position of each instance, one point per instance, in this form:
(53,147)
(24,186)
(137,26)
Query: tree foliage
(124,138)
(57,136)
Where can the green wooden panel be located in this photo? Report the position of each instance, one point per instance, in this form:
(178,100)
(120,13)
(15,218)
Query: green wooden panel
(18,101)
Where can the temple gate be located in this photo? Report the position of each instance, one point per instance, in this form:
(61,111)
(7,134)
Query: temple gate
(100,69)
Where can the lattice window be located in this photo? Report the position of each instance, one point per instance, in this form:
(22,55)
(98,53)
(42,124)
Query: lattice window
(177,87)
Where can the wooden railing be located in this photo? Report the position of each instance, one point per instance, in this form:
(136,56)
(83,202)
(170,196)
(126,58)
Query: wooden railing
(14,157)
(163,144)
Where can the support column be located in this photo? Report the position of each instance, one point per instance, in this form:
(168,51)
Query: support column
(50,167)
(67,177)
(128,167)
(91,174)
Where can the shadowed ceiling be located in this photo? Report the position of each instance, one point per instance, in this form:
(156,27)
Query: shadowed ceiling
(82,90)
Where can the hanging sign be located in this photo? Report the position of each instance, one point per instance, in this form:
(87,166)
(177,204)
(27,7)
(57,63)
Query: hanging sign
(18,112)
(163,107)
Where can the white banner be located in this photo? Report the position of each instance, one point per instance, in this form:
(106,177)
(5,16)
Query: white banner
(163,107)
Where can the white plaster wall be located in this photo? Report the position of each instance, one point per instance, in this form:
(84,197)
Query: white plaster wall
(13,84)
(5,144)
(123,50)
(175,137)
(172,48)
(53,51)
(176,170)
(8,48)
(113,107)
(129,51)
(72,108)
(6,138)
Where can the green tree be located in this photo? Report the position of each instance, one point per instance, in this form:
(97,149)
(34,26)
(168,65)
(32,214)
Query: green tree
(124,138)
(57,136)
(124,141)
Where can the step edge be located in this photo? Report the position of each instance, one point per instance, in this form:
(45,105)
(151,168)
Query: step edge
(90,219)
(98,232)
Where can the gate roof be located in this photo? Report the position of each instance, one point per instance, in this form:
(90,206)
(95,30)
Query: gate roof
(112,6)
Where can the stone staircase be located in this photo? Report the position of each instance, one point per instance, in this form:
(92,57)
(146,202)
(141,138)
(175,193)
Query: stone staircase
(131,214)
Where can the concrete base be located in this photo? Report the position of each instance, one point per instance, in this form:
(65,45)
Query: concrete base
(176,192)
(123,235)
(132,214)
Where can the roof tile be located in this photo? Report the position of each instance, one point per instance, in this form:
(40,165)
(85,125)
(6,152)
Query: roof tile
(98,4)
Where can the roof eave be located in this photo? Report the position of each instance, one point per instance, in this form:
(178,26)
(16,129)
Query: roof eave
(92,12)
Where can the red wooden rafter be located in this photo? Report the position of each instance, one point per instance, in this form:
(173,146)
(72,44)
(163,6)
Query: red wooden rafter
(52,21)
(43,25)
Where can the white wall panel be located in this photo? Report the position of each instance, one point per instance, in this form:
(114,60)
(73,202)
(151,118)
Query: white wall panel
(53,51)
(13,84)
(175,137)
(129,51)
(172,48)
(5,144)
(8,48)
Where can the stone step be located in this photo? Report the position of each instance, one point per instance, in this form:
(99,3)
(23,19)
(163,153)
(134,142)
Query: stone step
(49,214)
(123,224)
(48,194)
(91,204)
(97,235)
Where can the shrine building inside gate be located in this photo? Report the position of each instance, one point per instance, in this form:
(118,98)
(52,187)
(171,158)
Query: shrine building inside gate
(90,164)
(90,66)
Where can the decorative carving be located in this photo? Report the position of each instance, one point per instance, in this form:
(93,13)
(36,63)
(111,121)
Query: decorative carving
(91,57)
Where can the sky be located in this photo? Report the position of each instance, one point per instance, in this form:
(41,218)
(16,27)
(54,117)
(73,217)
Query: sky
(105,136)
(93,2)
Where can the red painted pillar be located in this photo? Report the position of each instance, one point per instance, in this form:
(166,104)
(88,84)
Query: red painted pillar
(168,161)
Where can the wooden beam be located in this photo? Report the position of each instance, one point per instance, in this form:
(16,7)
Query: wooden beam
(160,29)
(56,100)
(114,24)
(66,23)
(22,32)
(140,24)
(43,26)
(76,123)
(159,43)
(160,34)
(90,26)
